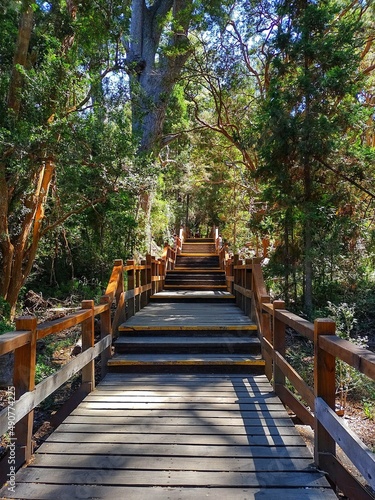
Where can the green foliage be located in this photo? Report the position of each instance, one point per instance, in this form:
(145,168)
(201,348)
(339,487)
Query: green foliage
(305,125)
(5,324)
(300,354)
(47,348)
(347,377)
(75,111)
(369,410)
(43,368)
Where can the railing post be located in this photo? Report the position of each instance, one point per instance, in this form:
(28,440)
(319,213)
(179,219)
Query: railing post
(264,323)
(88,371)
(120,283)
(154,275)
(24,381)
(162,270)
(278,344)
(105,329)
(229,272)
(236,279)
(242,274)
(168,258)
(248,285)
(181,235)
(137,284)
(148,277)
(131,284)
(120,315)
(143,282)
(324,385)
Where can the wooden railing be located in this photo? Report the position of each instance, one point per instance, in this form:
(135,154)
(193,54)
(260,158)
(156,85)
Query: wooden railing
(314,406)
(141,280)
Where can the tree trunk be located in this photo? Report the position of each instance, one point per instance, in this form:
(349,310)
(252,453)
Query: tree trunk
(20,56)
(308,239)
(153,75)
(18,255)
(6,246)
(307,179)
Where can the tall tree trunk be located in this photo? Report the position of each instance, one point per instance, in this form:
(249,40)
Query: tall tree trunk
(19,256)
(6,245)
(152,75)
(307,179)
(20,56)
(153,72)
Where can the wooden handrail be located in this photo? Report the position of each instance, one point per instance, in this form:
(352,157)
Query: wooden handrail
(13,340)
(317,407)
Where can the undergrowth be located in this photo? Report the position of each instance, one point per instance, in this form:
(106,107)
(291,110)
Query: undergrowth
(350,383)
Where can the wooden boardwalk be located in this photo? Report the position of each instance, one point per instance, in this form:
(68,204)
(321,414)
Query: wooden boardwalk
(175,436)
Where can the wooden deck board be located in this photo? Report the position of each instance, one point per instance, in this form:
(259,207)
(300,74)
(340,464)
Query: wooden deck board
(169,421)
(160,428)
(190,450)
(177,436)
(161,341)
(71,492)
(205,464)
(176,478)
(194,294)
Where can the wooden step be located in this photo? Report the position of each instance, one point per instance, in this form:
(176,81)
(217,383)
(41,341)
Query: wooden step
(175,436)
(187,344)
(203,270)
(195,287)
(209,283)
(191,280)
(208,363)
(194,296)
(197,276)
(199,258)
(189,317)
(198,248)
(196,255)
(199,240)
(238,331)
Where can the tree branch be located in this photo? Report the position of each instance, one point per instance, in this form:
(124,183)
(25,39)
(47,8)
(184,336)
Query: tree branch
(77,211)
(345,177)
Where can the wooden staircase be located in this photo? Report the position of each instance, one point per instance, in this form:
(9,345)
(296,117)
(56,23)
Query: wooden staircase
(193,325)
(197,268)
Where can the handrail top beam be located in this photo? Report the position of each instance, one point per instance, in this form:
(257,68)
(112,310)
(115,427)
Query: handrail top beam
(356,356)
(12,340)
(300,325)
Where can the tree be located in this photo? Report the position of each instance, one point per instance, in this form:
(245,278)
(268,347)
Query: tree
(309,109)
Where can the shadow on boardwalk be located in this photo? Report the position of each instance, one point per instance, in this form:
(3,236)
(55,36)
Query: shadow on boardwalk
(177,436)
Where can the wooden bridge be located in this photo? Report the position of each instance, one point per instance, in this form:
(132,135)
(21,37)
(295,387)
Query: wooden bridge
(185,408)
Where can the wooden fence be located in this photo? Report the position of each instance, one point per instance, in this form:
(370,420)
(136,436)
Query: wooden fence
(117,304)
(314,406)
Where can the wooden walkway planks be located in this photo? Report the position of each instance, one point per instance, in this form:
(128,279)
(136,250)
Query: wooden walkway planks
(186,315)
(185,436)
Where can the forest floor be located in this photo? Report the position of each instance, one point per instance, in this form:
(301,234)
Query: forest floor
(64,346)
